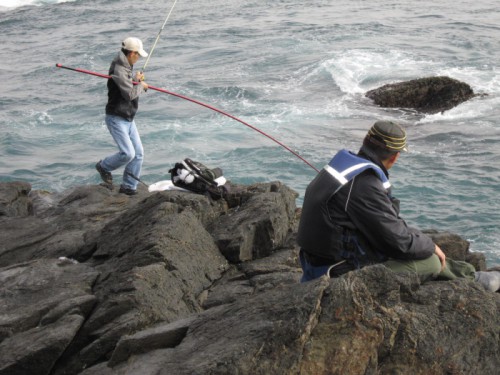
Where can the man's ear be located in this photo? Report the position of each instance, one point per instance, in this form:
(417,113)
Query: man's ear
(395,157)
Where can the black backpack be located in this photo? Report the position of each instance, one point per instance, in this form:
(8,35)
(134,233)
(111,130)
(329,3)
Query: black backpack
(198,178)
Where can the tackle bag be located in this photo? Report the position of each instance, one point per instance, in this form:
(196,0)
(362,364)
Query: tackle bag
(198,178)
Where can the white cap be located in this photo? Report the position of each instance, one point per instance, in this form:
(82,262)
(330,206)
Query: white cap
(134,45)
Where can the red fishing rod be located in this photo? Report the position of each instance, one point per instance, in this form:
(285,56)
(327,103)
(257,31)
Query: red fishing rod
(199,103)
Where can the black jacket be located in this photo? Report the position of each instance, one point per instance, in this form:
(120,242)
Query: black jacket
(123,95)
(363,207)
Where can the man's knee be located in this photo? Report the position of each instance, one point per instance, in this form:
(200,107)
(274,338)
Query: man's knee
(139,155)
(127,156)
(428,269)
(433,265)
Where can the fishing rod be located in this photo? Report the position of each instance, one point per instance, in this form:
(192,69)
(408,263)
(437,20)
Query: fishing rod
(199,103)
(158,36)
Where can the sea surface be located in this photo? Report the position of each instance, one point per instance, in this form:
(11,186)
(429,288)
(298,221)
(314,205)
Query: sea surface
(295,70)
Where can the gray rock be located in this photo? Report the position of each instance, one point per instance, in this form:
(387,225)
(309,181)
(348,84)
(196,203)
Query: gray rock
(14,201)
(257,227)
(59,224)
(154,262)
(163,336)
(42,306)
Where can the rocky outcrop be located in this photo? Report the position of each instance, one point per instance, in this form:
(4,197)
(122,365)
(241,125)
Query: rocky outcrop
(372,321)
(96,282)
(426,95)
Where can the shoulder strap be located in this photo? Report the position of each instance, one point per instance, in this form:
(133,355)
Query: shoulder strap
(345,166)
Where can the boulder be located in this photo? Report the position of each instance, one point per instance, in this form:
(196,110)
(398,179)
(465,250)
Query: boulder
(258,227)
(426,95)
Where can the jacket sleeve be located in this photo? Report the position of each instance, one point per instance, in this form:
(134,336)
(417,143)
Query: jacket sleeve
(123,79)
(371,211)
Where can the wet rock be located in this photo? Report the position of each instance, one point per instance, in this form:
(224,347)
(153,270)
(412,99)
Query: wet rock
(426,95)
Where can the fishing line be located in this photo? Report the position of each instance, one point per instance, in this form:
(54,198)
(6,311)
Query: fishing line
(158,37)
(199,103)
(137,179)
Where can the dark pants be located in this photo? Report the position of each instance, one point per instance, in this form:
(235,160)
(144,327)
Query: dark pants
(311,271)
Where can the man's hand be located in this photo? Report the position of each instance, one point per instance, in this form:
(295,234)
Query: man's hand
(139,77)
(441,256)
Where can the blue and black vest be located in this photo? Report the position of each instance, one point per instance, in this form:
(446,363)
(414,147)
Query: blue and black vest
(318,234)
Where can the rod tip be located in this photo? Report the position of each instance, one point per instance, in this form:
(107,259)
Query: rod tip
(58,65)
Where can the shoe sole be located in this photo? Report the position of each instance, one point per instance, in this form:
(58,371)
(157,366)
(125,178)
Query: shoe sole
(129,194)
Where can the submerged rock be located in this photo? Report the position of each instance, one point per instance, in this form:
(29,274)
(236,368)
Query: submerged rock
(427,95)
(96,282)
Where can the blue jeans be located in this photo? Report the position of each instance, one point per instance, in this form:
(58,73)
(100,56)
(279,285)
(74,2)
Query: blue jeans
(130,154)
(310,272)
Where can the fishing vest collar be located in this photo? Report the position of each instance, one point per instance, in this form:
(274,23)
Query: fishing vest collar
(345,166)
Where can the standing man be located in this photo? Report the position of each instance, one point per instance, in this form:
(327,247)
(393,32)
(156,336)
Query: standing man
(350,218)
(123,102)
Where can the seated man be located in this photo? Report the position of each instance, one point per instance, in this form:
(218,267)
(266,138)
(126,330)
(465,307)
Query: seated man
(350,219)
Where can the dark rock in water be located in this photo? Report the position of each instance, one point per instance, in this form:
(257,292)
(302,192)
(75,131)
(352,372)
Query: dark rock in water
(427,95)
(96,282)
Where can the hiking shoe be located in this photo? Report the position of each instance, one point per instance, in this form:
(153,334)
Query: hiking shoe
(105,176)
(127,191)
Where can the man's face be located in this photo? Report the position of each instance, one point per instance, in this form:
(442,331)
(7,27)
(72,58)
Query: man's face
(133,57)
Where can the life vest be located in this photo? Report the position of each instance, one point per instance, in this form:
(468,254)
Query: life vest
(317,233)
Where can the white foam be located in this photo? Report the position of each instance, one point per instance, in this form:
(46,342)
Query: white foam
(12,4)
(484,80)
(356,71)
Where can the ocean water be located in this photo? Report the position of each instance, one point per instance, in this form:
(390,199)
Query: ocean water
(296,70)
